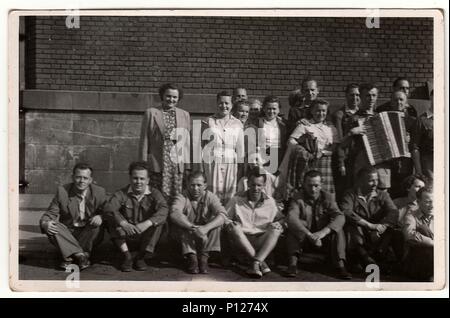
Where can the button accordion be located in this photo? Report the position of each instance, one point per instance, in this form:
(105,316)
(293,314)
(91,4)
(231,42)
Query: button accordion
(385,137)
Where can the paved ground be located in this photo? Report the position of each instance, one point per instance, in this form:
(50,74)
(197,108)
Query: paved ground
(38,260)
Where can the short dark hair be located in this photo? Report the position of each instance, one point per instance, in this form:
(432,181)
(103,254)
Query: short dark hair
(398,80)
(137,165)
(222,94)
(426,189)
(271,99)
(365,172)
(367,86)
(350,87)
(241,103)
(82,166)
(319,101)
(163,88)
(295,98)
(409,180)
(306,80)
(197,174)
(256,173)
(312,174)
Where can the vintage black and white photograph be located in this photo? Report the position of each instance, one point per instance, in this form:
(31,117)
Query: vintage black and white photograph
(274,149)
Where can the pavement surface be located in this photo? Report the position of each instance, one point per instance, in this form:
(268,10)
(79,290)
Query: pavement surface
(38,260)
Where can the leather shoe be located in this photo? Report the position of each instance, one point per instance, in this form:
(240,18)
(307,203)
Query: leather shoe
(342,273)
(192,264)
(139,264)
(82,260)
(203,264)
(127,263)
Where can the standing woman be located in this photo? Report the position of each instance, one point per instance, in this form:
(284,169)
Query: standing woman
(325,136)
(165,129)
(223,149)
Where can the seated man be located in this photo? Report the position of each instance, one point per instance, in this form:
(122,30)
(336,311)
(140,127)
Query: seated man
(254,223)
(73,219)
(314,220)
(419,235)
(136,213)
(370,218)
(199,216)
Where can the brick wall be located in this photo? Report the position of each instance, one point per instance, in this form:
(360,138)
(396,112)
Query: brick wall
(207,54)
(85,88)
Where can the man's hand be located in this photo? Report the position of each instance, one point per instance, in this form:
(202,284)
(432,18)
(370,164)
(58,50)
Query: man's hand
(380,228)
(342,171)
(304,122)
(50,228)
(129,229)
(321,234)
(315,239)
(96,221)
(357,131)
(200,231)
(143,226)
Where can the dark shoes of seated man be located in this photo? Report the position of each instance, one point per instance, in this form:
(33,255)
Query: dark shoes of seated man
(80,259)
(139,263)
(340,271)
(197,264)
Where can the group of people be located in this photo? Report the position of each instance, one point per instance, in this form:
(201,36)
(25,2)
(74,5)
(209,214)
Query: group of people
(259,183)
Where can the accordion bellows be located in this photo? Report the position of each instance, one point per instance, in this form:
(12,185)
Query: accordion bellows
(385,137)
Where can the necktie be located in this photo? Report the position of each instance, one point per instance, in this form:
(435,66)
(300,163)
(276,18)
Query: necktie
(82,206)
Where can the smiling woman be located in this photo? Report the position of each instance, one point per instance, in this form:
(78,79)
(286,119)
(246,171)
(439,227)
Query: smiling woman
(227,148)
(158,138)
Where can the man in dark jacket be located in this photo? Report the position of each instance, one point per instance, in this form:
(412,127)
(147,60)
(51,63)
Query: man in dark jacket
(315,221)
(72,221)
(371,216)
(136,213)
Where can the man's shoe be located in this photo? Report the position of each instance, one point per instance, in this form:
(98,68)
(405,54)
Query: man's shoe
(292,270)
(127,264)
(265,269)
(139,264)
(82,260)
(254,270)
(192,264)
(65,263)
(203,264)
(342,273)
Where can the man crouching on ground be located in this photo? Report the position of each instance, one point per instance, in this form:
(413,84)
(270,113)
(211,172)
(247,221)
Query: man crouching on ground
(255,223)
(199,216)
(135,214)
(72,221)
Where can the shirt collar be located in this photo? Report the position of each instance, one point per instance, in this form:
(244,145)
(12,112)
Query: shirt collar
(263,198)
(371,195)
(146,192)
(348,110)
(201,200)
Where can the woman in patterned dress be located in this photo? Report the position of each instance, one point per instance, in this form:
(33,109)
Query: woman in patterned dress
(326,137)
(165,142)
(223,149)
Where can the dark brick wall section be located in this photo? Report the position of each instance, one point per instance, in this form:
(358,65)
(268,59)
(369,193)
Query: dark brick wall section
(54,142)
(207,54)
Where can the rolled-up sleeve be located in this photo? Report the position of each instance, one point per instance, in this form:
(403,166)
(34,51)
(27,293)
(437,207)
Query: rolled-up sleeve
(412,236)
